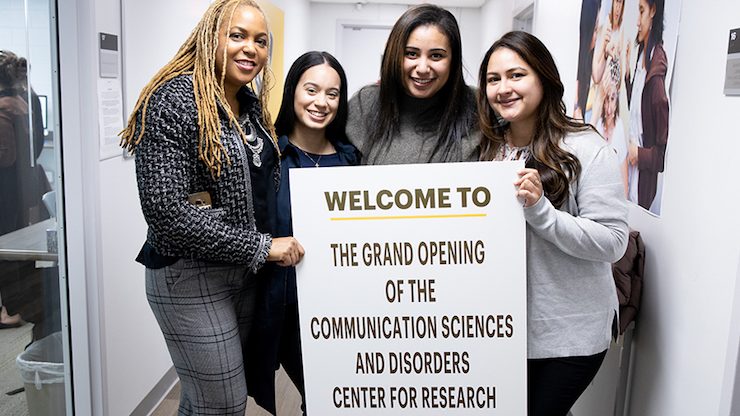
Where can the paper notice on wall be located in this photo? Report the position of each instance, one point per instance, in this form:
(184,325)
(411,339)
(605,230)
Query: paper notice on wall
(732,73)
(110,117)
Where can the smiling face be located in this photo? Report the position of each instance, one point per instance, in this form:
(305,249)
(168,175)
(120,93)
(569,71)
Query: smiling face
(243,45)
(513,88)
(426,61)
(317,97)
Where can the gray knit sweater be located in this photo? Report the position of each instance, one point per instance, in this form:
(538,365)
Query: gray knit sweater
(572,300)
(413,144)
(168,170)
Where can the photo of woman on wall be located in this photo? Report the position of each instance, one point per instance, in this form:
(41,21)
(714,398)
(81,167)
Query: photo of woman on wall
(634,46)
(609,57)
(648,103)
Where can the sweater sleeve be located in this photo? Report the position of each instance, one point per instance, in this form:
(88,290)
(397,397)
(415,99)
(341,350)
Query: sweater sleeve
(599,231)
(164,170)
(357,117)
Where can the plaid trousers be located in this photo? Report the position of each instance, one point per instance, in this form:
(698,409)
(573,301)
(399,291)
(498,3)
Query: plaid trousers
(205,311)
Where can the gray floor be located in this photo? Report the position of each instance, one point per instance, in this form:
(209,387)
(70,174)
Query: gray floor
(12,343)
(14,340)
(288,400)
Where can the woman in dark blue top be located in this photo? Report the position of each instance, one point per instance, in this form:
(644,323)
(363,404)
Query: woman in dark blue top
(310,126)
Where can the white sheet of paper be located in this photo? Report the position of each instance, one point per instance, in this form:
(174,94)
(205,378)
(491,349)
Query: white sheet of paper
(110,116)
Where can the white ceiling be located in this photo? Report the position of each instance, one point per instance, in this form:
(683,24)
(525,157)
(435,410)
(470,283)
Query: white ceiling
(443,3)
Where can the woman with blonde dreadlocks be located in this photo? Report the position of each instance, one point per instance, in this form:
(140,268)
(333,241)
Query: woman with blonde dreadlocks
(207,167)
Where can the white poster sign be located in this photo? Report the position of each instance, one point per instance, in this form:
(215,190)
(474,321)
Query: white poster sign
(412,293)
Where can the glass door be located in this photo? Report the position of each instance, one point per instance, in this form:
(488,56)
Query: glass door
(33,361)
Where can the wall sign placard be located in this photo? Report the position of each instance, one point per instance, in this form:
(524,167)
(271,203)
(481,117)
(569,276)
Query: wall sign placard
(108,55)
(732,71)
(412,293)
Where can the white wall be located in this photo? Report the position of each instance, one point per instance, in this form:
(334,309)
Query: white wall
(683,331)
(496,19)
(693,249)
(556,23)
(325,18)
(144,19)
(298,29)
(470,29)
(128,332)
(730,398)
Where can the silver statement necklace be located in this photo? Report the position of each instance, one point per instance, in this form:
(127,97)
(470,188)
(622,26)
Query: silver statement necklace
(255,143)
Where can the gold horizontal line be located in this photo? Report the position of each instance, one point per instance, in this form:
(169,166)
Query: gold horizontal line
(406,217)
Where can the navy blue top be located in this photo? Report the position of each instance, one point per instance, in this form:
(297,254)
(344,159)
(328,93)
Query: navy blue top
(277,296)
(262,179)
(293,157)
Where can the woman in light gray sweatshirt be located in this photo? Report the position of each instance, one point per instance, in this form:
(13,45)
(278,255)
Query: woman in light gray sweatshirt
(575,211)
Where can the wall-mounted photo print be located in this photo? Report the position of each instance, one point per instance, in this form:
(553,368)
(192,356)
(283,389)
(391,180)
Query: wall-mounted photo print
(625,62)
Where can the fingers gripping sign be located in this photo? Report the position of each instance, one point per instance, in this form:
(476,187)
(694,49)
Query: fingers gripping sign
(529,186)
(286,251)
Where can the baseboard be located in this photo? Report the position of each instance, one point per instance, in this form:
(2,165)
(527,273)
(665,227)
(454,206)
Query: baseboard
(158,393)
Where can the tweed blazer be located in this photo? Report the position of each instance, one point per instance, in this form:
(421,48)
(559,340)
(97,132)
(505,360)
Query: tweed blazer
(168,169)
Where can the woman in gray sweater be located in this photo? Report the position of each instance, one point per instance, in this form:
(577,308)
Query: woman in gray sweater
(421,110)
(575,212)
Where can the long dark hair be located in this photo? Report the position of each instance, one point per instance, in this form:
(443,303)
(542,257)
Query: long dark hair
(556,166)
(454,111)
(286,118)
(656,31)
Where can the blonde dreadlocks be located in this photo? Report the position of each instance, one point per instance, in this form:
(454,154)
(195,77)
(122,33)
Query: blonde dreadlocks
(197,56)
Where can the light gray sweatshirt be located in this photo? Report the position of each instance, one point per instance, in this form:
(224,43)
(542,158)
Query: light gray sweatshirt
(571,296)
